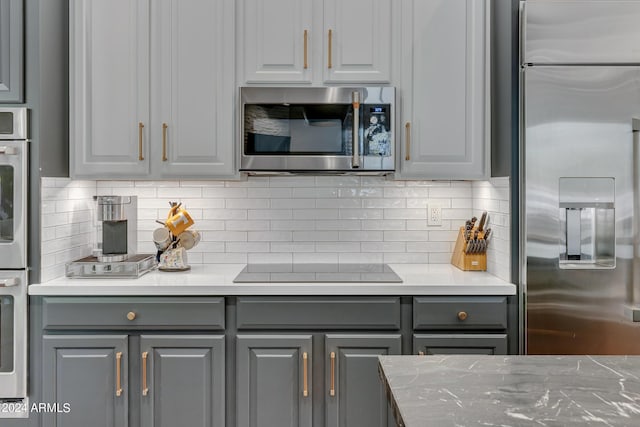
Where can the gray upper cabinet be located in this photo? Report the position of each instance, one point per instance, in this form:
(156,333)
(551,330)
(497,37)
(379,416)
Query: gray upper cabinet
(90,374)
(274,380)
(353,394)
(174,55)
(183,381)
(11,50)
(444,88)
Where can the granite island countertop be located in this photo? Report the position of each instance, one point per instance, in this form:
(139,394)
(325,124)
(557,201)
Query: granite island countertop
(418,279)
(513,390)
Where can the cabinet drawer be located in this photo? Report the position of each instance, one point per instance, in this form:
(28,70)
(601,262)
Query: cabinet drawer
(318,313)
(460,313)
(132,313)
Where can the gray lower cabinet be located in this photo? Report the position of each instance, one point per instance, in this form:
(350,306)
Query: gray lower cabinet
(354,396)
(183,381)
(88,373)
(274,380)
(432,344)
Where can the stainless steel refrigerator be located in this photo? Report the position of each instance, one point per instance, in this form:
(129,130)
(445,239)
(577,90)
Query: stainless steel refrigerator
(581,149)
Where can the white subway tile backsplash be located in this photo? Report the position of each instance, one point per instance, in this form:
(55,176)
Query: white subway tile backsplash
(224,193)
(315,236)
(290,218)
(270,258)
(292,247)
(314,193)
(337,204)
(248,204)
(270,236)
(295,225)
(269,193)
(338,247)
(405,214)
(360,258)
(385,224)
(315,258)
(316,213)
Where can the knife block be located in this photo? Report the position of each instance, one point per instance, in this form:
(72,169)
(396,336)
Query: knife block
(464,261)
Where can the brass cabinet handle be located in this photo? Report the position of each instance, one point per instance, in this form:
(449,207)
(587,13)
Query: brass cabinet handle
(145,389)
(131,315)
(306,50)
(305,379)
(421,353)
(119,374)
(462,315)
(140,127)
(332,391)
(329,65)
(164,142)
(407,141)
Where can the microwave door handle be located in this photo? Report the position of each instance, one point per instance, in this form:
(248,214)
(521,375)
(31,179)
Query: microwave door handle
(5,283)
(355,160)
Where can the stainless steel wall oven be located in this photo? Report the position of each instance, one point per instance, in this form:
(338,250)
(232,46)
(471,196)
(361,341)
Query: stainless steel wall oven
(325,130)
(13,253)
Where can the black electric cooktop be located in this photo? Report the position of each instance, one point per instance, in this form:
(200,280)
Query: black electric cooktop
(286,273)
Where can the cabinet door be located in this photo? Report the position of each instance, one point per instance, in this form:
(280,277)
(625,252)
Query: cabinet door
(89,373)
(354,394)
(274,380)
(445,89)
(273,42)
(185,381)
(460,344)
(109,88)
(11,50)
(191,78)
(359,48)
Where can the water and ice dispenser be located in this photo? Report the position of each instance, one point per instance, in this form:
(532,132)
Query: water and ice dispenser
(587,217)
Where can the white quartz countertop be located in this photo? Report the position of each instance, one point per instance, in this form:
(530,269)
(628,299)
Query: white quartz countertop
(418,279)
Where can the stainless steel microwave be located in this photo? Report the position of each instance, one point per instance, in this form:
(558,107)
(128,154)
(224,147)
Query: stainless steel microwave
(322,130)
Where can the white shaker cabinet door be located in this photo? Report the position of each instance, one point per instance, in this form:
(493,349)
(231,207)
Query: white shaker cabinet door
(276,41)
(109,87)
(193,98)
(445,90)
(358,40)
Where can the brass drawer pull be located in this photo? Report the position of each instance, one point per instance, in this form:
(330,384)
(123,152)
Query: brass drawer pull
(131,315)
(462,315)
(145,389)
(306,48)
(119,374)
(407,141)
(305,374)
(164,142)
(421,353)
(140,127)
(332,391)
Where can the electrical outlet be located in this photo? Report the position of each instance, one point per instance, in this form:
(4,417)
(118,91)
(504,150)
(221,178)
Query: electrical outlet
(434,215)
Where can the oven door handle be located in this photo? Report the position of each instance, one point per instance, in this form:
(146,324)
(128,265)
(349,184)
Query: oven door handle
(12,281)
(9,151)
